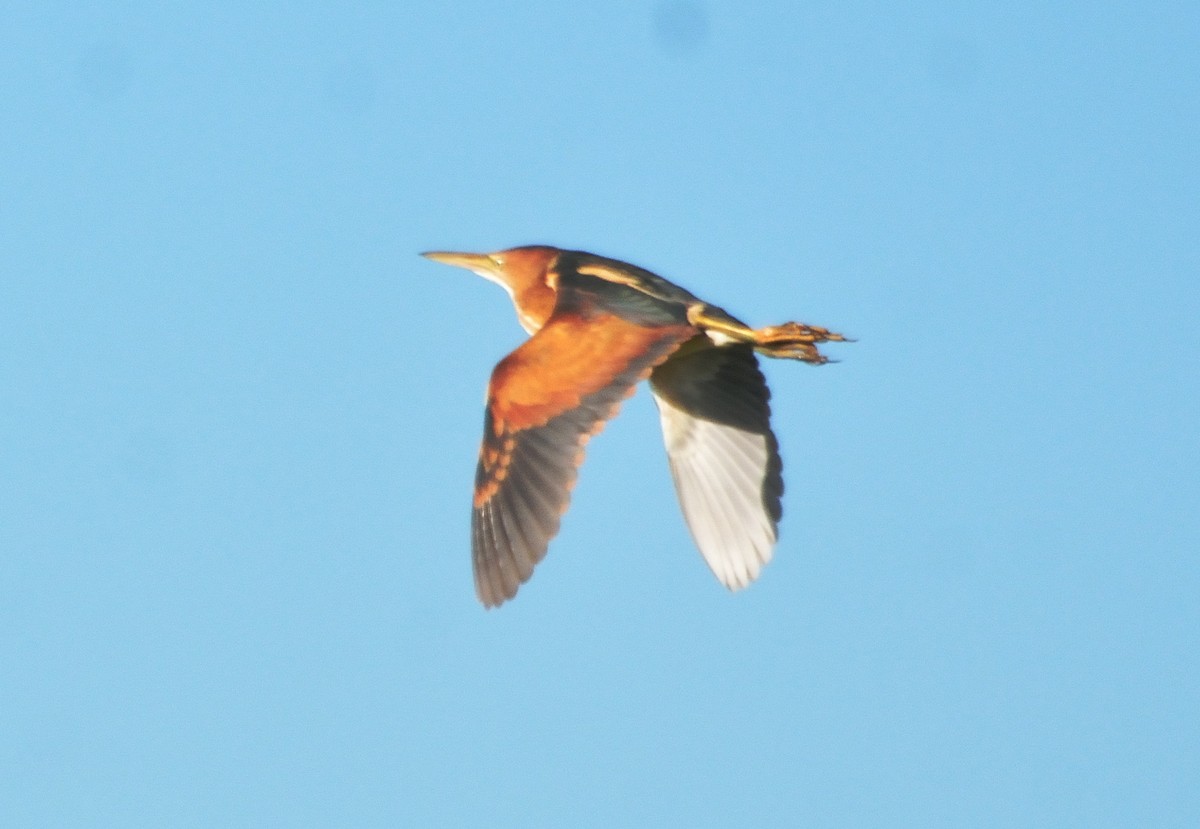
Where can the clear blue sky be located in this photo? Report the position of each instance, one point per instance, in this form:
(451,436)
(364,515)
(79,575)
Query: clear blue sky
(240,416)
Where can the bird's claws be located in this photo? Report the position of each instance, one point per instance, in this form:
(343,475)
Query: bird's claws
(796,332)
(796,341)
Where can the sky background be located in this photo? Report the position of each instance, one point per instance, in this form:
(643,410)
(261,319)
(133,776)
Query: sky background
(239,416)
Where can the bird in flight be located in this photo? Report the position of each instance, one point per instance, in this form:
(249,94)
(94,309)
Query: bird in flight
(599,326)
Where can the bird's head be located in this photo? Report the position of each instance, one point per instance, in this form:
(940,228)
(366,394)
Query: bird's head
(526,273)
(516,269)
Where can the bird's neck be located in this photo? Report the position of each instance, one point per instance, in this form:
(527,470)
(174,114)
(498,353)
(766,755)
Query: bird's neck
(534,305)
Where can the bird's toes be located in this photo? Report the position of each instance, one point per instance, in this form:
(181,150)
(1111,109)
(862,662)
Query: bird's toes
(795,341)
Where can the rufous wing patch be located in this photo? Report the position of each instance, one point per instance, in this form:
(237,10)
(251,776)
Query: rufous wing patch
(545,401)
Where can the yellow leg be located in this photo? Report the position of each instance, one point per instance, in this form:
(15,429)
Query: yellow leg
(791,340)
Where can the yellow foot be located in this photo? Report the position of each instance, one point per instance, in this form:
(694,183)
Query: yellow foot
(795,341)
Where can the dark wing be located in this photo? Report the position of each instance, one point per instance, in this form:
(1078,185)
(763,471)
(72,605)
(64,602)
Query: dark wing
(723,456)
(623,273)
(632,289)
(545,401)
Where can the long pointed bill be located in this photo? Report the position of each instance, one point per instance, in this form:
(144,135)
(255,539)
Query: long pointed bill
(480,263)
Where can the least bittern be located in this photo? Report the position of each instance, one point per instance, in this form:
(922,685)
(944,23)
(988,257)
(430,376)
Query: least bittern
(600,326)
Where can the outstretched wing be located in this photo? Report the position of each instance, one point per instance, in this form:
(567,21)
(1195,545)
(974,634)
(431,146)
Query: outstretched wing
(545,401)
(723,456)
